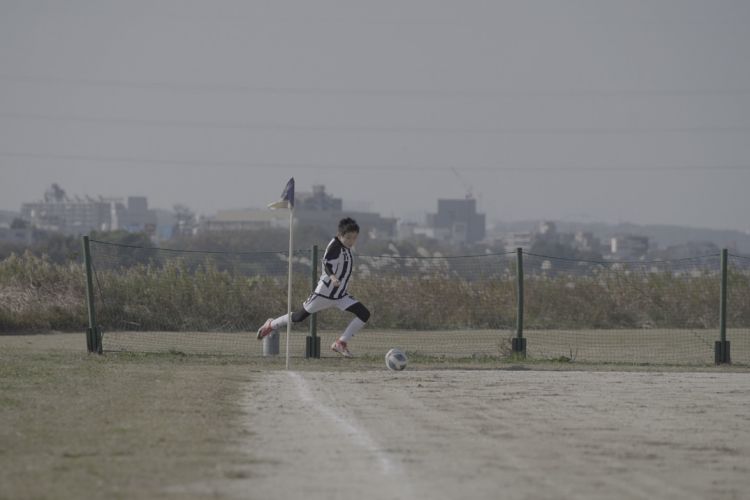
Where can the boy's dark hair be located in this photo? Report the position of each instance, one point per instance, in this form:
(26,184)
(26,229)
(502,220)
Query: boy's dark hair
(348,225)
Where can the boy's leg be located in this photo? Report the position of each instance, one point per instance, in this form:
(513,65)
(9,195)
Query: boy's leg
(355,325)
(314,303)
(362,315)
(297,316)
(272,325)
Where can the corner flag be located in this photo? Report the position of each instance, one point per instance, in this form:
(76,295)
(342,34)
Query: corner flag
(287,201)
(287,197)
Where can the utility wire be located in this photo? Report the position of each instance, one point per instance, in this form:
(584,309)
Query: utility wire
(363,167)
(384,92)
(230,125)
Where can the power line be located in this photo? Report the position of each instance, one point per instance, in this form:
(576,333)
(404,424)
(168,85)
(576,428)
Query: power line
(375,92)
(364,167)
(228,125)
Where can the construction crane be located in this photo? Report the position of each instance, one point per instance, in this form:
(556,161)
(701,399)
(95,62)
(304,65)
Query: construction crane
(466,185)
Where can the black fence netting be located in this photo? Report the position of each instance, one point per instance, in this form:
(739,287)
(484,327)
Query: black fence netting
(165,300)
(738,307)
(632,312)
(435,306)
(152,299)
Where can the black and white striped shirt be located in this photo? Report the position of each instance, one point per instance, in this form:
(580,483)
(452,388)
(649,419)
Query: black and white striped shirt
(338,261)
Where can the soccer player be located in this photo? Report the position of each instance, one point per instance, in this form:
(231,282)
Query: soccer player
(331,289)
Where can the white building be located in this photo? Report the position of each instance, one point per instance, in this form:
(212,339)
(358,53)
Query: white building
(628,247)
(60,213)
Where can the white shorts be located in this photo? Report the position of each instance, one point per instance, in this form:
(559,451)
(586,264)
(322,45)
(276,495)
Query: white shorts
(315,303)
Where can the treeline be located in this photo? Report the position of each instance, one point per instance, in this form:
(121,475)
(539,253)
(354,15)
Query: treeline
(63,249)
(60,248)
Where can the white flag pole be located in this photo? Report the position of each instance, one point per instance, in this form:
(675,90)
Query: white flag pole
(289,285)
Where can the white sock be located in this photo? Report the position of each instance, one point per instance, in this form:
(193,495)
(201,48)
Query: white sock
(354,326)
(280,321)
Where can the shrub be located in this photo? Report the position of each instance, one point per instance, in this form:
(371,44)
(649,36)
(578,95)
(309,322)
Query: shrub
(175,295)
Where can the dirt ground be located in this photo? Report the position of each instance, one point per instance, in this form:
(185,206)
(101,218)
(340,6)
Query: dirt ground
(74,425)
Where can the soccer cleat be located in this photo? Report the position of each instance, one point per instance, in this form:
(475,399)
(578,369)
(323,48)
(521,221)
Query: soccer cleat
(265,330)
(340,347)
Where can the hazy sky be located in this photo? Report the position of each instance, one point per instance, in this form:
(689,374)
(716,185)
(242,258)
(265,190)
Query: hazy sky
(595,110)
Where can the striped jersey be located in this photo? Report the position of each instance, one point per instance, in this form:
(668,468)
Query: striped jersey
(338,261)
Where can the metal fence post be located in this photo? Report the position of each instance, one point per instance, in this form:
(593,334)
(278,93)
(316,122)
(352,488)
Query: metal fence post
(312,345)
(93,336)
(721,348)
(518,344)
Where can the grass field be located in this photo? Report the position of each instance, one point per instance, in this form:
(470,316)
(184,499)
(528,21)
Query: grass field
(179,425)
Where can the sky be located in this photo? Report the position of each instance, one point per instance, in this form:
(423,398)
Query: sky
(572,110)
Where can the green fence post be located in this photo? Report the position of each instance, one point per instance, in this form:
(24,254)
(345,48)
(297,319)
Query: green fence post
(312,346)
(93,338)
(721,348)
(518,344)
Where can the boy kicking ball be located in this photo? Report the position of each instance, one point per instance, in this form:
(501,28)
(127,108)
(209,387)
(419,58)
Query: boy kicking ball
(331,290)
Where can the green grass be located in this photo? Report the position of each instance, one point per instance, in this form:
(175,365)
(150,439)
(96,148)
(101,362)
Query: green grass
(74,425)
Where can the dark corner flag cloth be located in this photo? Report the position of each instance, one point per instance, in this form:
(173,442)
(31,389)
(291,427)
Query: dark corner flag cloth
(287,197)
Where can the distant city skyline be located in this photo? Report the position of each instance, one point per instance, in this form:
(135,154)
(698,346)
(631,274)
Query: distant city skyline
(362,206)
(590,110)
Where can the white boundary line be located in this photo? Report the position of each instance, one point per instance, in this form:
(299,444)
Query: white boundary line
(359,435)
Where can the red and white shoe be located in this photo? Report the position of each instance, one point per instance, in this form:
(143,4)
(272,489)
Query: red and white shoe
(265,330)
(340,347)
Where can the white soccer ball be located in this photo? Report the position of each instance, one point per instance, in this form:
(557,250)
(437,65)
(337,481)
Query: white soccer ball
(395,359)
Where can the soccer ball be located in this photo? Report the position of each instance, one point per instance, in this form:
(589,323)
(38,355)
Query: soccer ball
(395,359)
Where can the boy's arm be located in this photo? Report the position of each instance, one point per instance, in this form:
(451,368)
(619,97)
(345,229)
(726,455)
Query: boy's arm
(331,274)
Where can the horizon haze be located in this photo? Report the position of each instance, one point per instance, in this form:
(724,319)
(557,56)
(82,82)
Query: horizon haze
(574,110)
